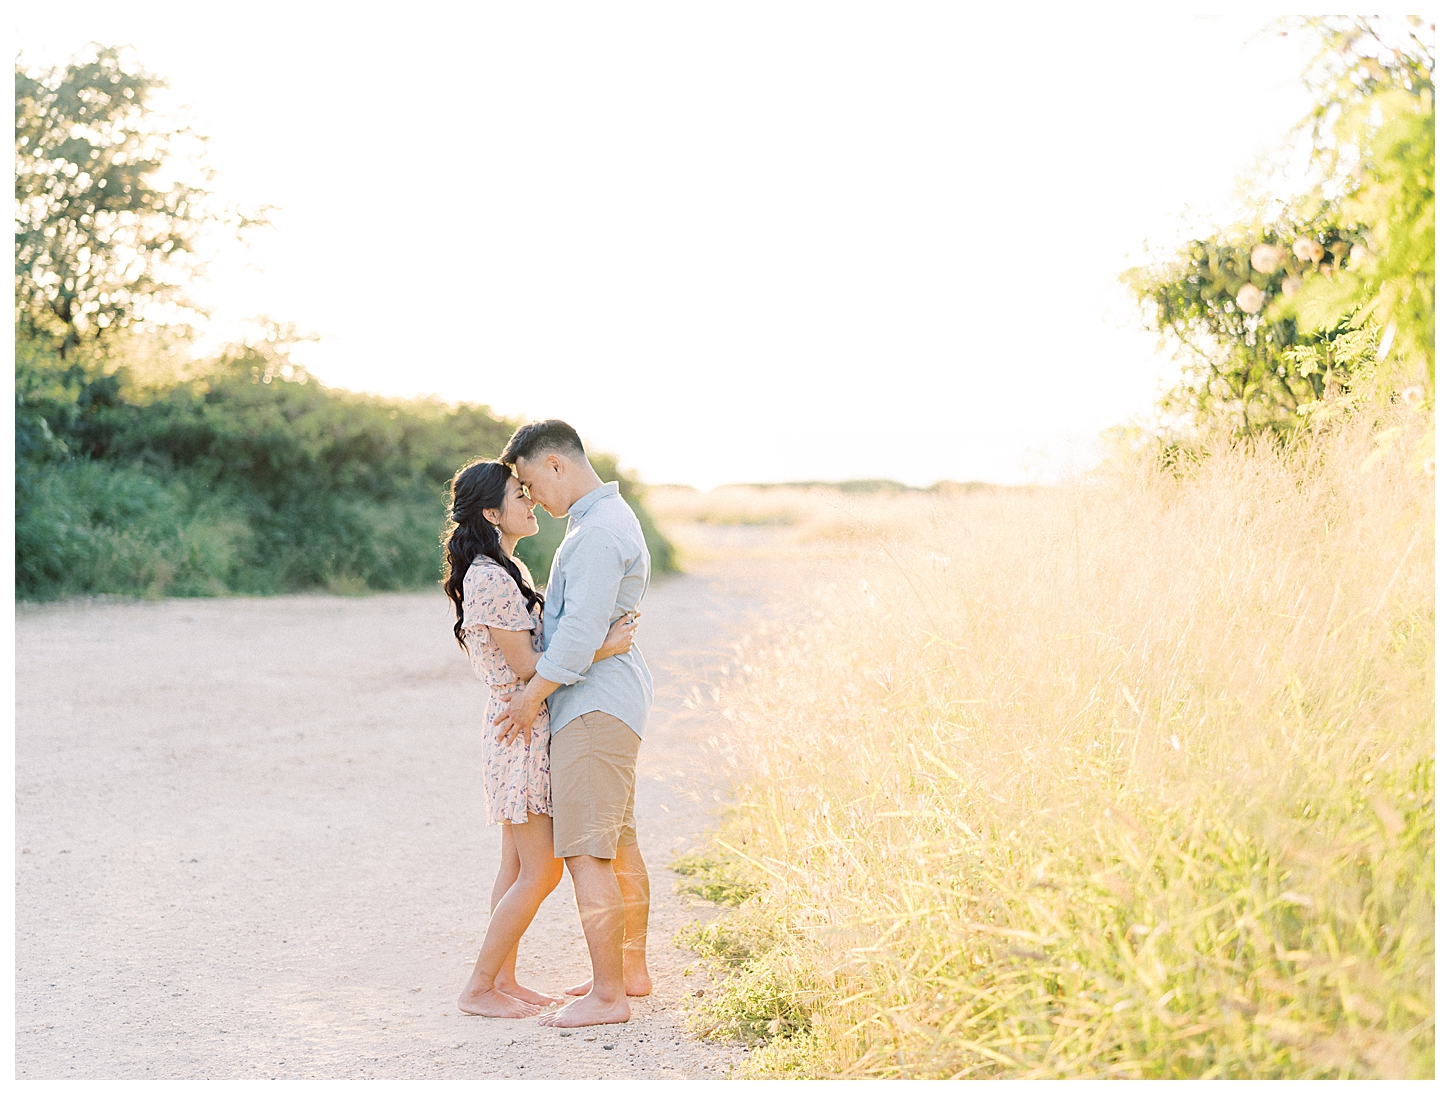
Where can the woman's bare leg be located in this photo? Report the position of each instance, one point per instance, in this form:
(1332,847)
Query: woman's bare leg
(475,999)
(508,870)
(537,875)
(508,866)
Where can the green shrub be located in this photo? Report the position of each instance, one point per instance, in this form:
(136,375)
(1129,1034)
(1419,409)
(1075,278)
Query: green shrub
(249,477)
(714,879)
(91,527)
(760,993)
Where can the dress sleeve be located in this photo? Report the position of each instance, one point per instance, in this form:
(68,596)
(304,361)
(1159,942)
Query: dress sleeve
(492,599)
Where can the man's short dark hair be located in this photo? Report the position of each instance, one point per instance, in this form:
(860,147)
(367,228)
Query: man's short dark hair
(539,438)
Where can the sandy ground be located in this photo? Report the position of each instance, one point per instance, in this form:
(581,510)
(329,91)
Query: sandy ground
(249,841)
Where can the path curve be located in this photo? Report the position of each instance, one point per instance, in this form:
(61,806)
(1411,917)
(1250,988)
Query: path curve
(249,842)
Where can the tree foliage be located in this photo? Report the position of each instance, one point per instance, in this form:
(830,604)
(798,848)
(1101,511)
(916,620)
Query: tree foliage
(1333,292)
(1374,142)
(102,230)
(1222,301)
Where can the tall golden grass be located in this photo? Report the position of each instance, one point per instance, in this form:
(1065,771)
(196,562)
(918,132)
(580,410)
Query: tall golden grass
(1129,778)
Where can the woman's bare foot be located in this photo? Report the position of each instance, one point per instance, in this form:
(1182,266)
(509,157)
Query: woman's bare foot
(495,1005)
(636,983)
(528,996)
(587,1011)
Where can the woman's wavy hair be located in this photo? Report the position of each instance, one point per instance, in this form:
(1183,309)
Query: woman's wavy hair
(476,487)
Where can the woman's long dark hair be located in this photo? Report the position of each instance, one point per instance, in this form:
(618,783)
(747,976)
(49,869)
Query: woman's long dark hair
(478,486)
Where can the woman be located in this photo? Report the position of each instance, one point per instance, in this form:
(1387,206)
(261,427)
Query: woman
(499,625)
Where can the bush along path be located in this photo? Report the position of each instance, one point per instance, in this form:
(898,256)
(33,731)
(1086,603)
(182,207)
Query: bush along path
(247,476)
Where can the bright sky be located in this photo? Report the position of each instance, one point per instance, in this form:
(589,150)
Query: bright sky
(728,242)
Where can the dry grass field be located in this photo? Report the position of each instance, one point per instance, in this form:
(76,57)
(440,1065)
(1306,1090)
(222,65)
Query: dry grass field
(1130,778)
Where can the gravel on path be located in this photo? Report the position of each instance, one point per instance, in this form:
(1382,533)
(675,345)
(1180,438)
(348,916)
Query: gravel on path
(249,842)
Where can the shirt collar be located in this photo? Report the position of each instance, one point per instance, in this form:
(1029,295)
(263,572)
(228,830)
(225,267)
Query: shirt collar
(583,505)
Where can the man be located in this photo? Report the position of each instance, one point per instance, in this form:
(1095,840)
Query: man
(596,712)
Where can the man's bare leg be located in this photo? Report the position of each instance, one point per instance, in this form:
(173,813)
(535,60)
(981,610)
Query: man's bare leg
(633,878)
(601,912)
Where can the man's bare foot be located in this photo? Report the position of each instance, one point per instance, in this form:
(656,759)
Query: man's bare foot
(635,984)
(495,1005)
(528,996)
(587,1011)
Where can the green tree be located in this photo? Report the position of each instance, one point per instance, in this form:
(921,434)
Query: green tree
(1373,140)
(1220,301)
(104,228)
(1334,292)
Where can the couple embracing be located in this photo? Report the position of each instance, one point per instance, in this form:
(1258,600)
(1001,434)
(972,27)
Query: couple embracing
(568,697)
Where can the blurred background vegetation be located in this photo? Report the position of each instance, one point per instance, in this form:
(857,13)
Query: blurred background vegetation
(143,468)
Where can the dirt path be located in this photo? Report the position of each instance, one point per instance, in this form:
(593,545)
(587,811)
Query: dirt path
(248,842)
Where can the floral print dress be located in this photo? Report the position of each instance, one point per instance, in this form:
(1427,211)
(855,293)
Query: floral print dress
(516,776)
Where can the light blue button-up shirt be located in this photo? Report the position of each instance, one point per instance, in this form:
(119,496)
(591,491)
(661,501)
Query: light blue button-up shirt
(600,572)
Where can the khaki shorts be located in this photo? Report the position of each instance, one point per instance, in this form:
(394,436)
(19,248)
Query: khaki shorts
(591,766)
